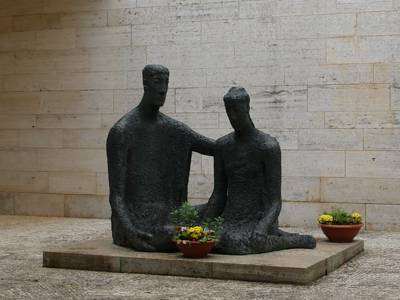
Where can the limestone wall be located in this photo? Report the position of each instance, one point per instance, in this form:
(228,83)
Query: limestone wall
(324,77)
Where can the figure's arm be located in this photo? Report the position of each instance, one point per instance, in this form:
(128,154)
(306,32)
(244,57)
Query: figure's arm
(202,144)
(117,167)
(272,172)
(117,160)
(216,204)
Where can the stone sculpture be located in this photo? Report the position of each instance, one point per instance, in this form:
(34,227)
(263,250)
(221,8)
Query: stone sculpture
(149,157)
(247,186)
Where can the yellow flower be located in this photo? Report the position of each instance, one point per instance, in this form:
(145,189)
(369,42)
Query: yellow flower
(357,216)
(325,219)
(195,232)
(195,229)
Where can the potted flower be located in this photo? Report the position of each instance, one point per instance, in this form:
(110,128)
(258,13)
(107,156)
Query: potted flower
(193,238)
(340,226)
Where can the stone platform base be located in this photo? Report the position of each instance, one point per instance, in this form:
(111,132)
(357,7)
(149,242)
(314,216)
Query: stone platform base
(299,266)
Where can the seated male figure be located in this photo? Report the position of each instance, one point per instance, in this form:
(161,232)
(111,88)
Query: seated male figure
(247,186)
(149,157)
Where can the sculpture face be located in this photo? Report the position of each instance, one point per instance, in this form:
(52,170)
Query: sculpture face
(238,114)
(156,87)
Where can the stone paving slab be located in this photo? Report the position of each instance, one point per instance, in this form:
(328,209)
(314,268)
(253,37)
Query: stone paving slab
(374,274)
(299,266)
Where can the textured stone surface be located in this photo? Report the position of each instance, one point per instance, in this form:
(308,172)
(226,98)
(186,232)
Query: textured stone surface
(374,274)
(369,190)
(289,266)
(72,68)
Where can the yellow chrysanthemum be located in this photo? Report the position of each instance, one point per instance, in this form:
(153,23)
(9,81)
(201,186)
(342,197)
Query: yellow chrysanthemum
(356,216)
(325,219)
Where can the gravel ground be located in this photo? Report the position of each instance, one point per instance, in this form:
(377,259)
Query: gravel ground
(375,274)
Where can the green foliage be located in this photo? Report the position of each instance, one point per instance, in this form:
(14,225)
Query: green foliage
(181,234)
(185,216)
(340,216)
(189,228)
(214,225)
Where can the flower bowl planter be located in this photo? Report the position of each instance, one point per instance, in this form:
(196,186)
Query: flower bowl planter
(195,249)
(341,233)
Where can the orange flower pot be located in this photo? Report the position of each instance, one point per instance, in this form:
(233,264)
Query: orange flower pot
(341,233)
(195,249)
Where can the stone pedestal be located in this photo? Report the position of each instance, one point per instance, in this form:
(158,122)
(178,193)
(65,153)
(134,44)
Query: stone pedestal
(299,266)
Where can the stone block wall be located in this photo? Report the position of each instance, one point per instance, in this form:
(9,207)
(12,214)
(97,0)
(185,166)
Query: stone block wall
(324,78)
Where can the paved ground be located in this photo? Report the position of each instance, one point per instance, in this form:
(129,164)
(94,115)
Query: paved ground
(372,275)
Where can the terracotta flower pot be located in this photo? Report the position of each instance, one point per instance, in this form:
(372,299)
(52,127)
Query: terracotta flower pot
(341,233)
(194,249)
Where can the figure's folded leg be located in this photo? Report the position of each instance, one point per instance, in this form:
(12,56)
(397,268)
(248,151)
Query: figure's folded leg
(280,232)
(162,239)
(159,240)
(234,244)
(288,241)
(261,243)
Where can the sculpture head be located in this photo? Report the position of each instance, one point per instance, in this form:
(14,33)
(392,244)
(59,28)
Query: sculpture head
(237,105)
(155,83)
